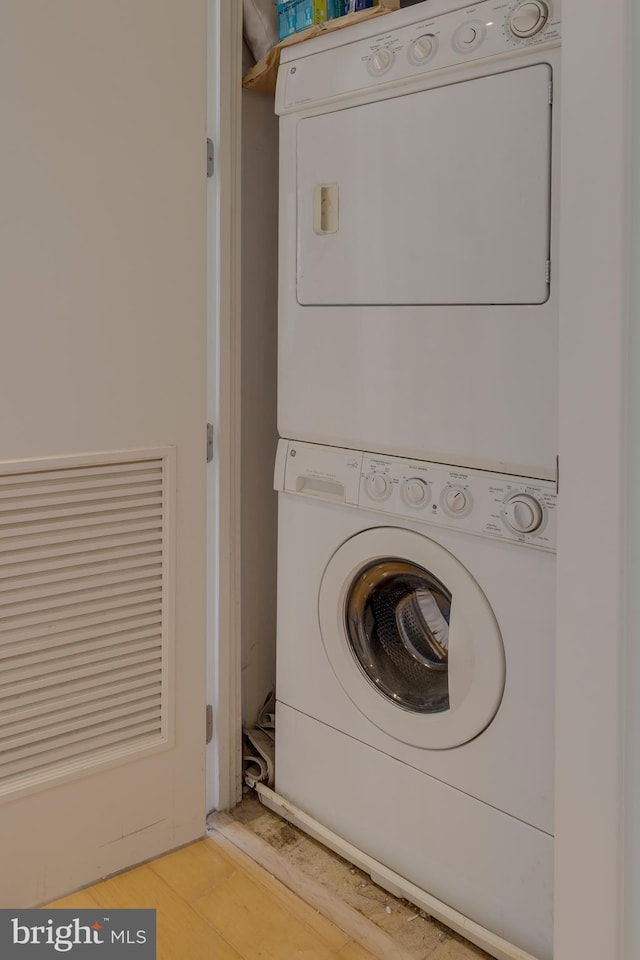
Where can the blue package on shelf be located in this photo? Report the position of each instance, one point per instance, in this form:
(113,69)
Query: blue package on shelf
(296,15)
(286,18)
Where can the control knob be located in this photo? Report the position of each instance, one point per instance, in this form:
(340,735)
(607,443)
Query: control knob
(455,500)
(523,513)
(529,18)
(468,36)
(381,61)
(415,492)
(378,486)
(422,49)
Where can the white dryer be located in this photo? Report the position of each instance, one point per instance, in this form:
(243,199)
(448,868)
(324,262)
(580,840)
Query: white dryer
(418,300)
(415,675)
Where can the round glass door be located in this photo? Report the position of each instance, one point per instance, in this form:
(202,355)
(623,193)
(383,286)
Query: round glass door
(397,624)
(411,637)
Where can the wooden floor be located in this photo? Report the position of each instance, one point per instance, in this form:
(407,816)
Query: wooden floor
(214,902)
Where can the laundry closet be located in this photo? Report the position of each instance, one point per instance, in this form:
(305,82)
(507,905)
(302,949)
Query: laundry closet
(596,881)
(416,468)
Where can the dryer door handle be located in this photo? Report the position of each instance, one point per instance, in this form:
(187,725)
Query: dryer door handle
(325,208)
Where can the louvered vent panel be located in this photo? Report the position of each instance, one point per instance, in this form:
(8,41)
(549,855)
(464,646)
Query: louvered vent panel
(83,616)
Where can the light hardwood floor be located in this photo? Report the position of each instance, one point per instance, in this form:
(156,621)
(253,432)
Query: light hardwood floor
(213,902)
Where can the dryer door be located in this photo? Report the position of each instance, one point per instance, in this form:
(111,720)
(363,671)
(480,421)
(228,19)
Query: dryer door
(412,638)
(435,197)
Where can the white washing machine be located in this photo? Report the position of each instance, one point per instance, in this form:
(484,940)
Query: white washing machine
(418,300)
(415,675)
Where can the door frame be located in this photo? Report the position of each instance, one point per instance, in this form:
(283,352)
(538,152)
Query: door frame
(224,68)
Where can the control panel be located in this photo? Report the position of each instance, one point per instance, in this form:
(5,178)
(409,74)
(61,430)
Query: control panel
(495,505)
(474,32)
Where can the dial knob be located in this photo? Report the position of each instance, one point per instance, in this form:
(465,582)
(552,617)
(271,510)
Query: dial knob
(378,486)
(422,49)
(468,36)
(529,18)
(455,501)
(523,513)
(381,61)
(415,492)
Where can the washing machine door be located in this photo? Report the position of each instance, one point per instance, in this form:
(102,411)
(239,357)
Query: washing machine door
(412,638)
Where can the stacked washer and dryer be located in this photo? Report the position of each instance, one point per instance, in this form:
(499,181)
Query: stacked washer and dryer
(417,471)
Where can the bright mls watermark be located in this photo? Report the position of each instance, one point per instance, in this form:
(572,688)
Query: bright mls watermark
(81,934)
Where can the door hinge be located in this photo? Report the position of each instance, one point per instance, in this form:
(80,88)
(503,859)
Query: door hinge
(547,271)
(209,727)
(209,157)
(557,475)
(550,92)
(209,442)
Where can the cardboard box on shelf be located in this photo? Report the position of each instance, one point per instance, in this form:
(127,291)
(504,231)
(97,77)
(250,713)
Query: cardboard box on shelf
(262,77)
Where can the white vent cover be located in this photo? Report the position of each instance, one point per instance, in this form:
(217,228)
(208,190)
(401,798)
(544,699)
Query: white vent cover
(84,613)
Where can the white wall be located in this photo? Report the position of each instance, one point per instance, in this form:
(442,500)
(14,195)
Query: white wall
(592,516)
(259,434)
(632,667)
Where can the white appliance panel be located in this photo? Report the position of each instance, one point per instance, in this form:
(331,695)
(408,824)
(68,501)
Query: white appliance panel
(474,386)
(470,384)
(471,824)
(510,765)
(435,197)
(494,869)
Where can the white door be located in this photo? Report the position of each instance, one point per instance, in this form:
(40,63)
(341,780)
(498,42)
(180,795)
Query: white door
(102,420)
(435,197)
